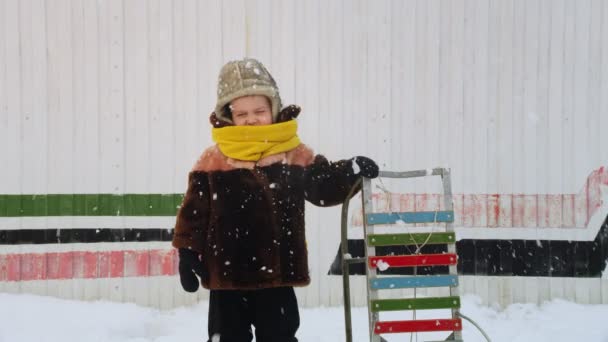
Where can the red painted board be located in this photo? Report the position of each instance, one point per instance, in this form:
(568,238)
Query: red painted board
(413,260)
(390,327)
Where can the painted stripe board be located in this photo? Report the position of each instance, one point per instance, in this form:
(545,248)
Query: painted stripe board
(84,235)
(413,260)
(410,217)
(90,205)
(415,303)
(413,282)
(418,326)
(88,265)
(411,239)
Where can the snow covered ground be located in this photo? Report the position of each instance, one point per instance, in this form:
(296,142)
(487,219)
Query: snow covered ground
(25,318)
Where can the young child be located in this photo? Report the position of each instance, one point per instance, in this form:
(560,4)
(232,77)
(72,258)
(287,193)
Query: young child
(241,225)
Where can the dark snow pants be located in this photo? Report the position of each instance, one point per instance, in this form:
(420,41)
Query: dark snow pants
(273,312)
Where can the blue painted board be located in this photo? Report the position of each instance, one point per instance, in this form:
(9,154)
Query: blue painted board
(410,217)
(413,282)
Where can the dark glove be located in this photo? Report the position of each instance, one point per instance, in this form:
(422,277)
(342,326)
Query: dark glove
(190,266)
(368,168)
(288,113)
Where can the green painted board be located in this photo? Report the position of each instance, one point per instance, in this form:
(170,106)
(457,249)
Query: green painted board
(415,304)
(89,205)
(411,239)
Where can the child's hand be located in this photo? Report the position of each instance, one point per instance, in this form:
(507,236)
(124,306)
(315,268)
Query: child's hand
(288,113)
(367,167)
(190,265)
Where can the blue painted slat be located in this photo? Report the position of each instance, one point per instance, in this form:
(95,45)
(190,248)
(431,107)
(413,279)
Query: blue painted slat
(411,282)
(411,217)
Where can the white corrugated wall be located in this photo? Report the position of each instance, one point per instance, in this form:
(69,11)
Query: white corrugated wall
(114,96)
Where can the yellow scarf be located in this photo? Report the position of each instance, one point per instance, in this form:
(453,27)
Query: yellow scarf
(253,143)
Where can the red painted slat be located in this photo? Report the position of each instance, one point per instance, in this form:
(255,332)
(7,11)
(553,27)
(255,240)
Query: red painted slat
(59,265)
(117,264)
(554,210)
(493,210)
(542,210)
(426,325)
(14,267)
(3,267)
(530,216)
(420,202)
(396,201)
(480,212)
(594,192)
(143,263)
(469,207)
(137,263)
(434,202)
(87,265)
(162,263)
(568,211)
(384,201)
(580,209)
(103,264)
(458,207)
(408,202)
(10,267)
(33,266)
(505,217)
(519,203)
(413,260)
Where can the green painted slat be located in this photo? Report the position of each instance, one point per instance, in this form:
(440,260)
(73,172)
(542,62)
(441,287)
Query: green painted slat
(27,207)
(411,239)
(89,205)
(177,201)
(3,212)
(13,206)
(415,304)
(79,206)
(136,204)
(110,205)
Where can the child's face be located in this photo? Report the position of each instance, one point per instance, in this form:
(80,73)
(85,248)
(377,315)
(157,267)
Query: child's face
(251,110)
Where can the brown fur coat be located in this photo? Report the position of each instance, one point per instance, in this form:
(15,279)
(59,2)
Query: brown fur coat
(247,219)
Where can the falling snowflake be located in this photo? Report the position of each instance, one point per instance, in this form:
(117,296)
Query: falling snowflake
(382,266)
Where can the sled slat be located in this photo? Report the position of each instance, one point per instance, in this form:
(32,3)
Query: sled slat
(411,239)
(415,303)
(389,327)
(413,282)
(413,260)
(410,217)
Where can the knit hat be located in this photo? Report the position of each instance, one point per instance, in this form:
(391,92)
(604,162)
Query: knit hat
(244,78)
